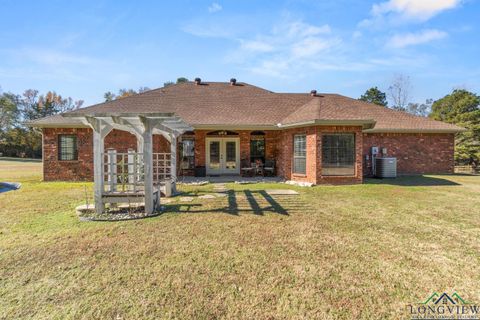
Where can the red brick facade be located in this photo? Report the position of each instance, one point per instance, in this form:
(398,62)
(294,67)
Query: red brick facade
(82,169)
(314,155)
(416,153)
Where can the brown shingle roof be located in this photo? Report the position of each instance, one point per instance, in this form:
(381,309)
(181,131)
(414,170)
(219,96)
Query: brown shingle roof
(219,103)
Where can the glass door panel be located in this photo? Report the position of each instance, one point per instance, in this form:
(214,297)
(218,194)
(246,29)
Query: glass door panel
(214,148)
(231,155)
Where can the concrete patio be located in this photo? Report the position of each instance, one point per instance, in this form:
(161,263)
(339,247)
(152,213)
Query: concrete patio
(228,179)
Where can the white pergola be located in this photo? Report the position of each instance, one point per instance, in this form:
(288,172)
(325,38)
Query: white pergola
(143,126)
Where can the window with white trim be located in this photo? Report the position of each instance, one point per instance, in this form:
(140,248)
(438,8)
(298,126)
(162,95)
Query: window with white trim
(300,154)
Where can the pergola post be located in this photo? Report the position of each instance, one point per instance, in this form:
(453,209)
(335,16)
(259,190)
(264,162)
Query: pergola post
(148,166)
(100,131)
(98,146)
(173,162)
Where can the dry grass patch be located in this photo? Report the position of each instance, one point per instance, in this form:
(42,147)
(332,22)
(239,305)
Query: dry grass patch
(343,252)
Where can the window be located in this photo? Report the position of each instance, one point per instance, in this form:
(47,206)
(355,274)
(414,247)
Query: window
(300,154)
(67,147)
(188,153)
(338,154)
(257,146)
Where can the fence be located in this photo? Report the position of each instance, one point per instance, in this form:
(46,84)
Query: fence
(467,169)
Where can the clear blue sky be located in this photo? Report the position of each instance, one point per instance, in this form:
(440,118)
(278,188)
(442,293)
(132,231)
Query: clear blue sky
(85,48)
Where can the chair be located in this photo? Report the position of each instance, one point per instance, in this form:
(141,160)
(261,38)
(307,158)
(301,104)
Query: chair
(269,167)
(247,168)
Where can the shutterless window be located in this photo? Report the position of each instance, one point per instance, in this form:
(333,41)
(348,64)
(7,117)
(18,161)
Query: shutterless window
(67,147)
(300,154)
(338,154)
(188,154)
(257,148)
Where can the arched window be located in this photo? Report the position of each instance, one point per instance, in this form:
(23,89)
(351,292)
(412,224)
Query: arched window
(222,133)
(257,146)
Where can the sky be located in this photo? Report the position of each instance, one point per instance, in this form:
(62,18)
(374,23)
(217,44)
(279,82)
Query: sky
(82,49)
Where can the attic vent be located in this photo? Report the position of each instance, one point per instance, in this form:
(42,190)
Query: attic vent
(198,81)
(313,93)
(233,81)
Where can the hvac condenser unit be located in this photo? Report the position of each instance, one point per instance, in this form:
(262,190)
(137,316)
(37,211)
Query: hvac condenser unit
(386,167)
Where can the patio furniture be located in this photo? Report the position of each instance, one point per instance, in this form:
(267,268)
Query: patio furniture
(258,165)
(269,168)
(247,168)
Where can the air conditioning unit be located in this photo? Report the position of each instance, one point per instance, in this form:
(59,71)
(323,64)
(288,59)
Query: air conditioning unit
(386,167)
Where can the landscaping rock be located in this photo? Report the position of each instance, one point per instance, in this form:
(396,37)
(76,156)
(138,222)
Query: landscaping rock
(281,192)
(299,183)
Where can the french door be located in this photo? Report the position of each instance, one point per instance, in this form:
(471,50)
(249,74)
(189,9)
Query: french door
(223,156)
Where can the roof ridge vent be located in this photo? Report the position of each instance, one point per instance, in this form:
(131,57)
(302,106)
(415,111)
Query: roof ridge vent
(198,81)
(313,93)
(233,81)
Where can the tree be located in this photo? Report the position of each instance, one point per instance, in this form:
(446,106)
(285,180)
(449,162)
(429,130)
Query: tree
(17,139)
(109,96)
(420,109)
(399,92)
(168,83)
(9,111)
(462,108)
(373,95)
(182,80)
(122,93)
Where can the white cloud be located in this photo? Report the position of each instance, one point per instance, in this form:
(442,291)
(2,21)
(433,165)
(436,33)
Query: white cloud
(418,9)
(410,39)
(288,46)
(214,7)
(395,12)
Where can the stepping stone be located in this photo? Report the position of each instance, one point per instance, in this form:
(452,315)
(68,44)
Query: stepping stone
(165,200)
(281,192)
(186,199)
(207,196)
(220,195)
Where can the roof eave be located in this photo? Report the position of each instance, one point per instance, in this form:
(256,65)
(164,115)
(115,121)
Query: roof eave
(364,123)
(424,130)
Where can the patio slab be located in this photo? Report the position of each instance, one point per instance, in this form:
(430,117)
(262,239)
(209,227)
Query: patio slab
(281,192)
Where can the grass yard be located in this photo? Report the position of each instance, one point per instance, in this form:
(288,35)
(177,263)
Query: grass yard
(333,252)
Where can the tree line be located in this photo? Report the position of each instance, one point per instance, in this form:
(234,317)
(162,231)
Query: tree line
(17,139)
(461,107)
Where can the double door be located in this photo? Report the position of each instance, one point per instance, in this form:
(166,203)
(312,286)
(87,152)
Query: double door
(223,156)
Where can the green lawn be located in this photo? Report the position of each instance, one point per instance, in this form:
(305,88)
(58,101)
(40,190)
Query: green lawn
(346,252)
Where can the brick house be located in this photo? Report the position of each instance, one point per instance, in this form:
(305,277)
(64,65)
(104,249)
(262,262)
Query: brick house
(311,137)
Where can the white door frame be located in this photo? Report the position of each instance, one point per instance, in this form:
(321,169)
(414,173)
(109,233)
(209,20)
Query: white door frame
(223,155)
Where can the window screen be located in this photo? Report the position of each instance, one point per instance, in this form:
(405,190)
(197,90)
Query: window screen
(300,154)
(338,154)
(67,147)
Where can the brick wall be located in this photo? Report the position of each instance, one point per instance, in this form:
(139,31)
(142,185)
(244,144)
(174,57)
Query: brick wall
(416,153)
(82,169)
(314,155)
